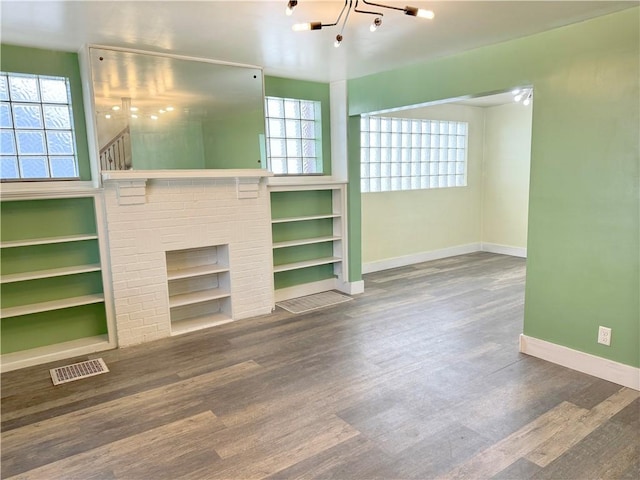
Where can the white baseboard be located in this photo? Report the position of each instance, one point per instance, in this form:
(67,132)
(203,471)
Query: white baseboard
(419,258)
(615,372)
(305,289)
(504,249)
(350,288)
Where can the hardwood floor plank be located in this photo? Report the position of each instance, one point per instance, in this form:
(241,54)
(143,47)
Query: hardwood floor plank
(173,356)
(356,457)
(438,453)
(86,429)
(267,458)
(555,446)
(515,396)
(607,452)
(500,455)
(161,452)
(522,469)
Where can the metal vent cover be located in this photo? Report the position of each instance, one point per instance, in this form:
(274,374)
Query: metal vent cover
(76,371)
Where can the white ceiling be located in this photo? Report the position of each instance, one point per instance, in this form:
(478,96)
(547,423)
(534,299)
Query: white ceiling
(259,33)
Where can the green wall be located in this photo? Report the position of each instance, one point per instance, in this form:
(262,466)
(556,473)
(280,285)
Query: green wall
(49,62)
(177,145)
(235,141)
(305,90)
(583,266)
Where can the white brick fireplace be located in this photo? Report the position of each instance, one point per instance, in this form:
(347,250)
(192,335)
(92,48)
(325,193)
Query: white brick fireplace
(150,213)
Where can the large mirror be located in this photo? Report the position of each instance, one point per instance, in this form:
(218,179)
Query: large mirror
(157,112)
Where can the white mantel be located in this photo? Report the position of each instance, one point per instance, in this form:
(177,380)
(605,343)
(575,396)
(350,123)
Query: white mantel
(123,175)
(132,184)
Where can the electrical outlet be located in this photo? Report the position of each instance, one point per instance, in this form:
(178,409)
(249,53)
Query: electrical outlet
(604,335)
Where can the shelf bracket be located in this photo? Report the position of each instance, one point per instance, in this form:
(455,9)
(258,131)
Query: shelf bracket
(247,187)
(132,192)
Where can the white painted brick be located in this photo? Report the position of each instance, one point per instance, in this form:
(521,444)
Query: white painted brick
(131,324)
(184,214)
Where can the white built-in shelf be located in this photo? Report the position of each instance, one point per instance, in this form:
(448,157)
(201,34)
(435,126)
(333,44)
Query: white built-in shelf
(198,271)
(197,297)
(52,305)
(47,241)
(302,219)
(53,272)
(198,323)
(307,263)
(305,241)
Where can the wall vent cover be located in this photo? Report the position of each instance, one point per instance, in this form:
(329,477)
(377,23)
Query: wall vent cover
(69,373)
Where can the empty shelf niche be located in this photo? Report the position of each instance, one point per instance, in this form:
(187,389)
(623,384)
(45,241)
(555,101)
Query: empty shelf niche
(199,288)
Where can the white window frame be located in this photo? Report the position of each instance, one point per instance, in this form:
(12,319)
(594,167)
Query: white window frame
(297,153)
(46,130)
(411,154)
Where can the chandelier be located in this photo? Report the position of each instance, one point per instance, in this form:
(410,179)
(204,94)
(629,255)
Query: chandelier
(523,95)
(349,6)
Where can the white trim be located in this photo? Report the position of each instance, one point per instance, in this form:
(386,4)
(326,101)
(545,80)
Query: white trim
(173,55)
(305,289)
(128,175)
(303,182)
(350,288)
(338,115)
(609,370)
(105,261)
(90,120)
(504,249)
(405,260)
(47,189)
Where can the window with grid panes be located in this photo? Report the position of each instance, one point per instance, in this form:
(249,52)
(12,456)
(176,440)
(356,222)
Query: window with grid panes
(411,154)
(294,136)
(36,125)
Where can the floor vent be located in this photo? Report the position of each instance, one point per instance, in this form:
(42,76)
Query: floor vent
(313,302)
(69,373)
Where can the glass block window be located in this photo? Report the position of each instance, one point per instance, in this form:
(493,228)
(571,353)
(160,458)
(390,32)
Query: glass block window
(294,136)
(36,128)
(411,154)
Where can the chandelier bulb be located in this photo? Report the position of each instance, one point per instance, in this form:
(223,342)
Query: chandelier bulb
(301,27)
(291,6)
(376,23)
(338,41)
(419,12)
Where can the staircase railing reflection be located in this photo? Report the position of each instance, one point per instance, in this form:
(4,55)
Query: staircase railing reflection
(116,155)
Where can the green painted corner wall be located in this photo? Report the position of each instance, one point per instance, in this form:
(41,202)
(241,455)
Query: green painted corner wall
(49,62)
(354,199)
(235,141)
(178,145)
(306,90)
(583,266)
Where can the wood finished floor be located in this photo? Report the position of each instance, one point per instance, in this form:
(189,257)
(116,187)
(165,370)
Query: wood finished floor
(418,378)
